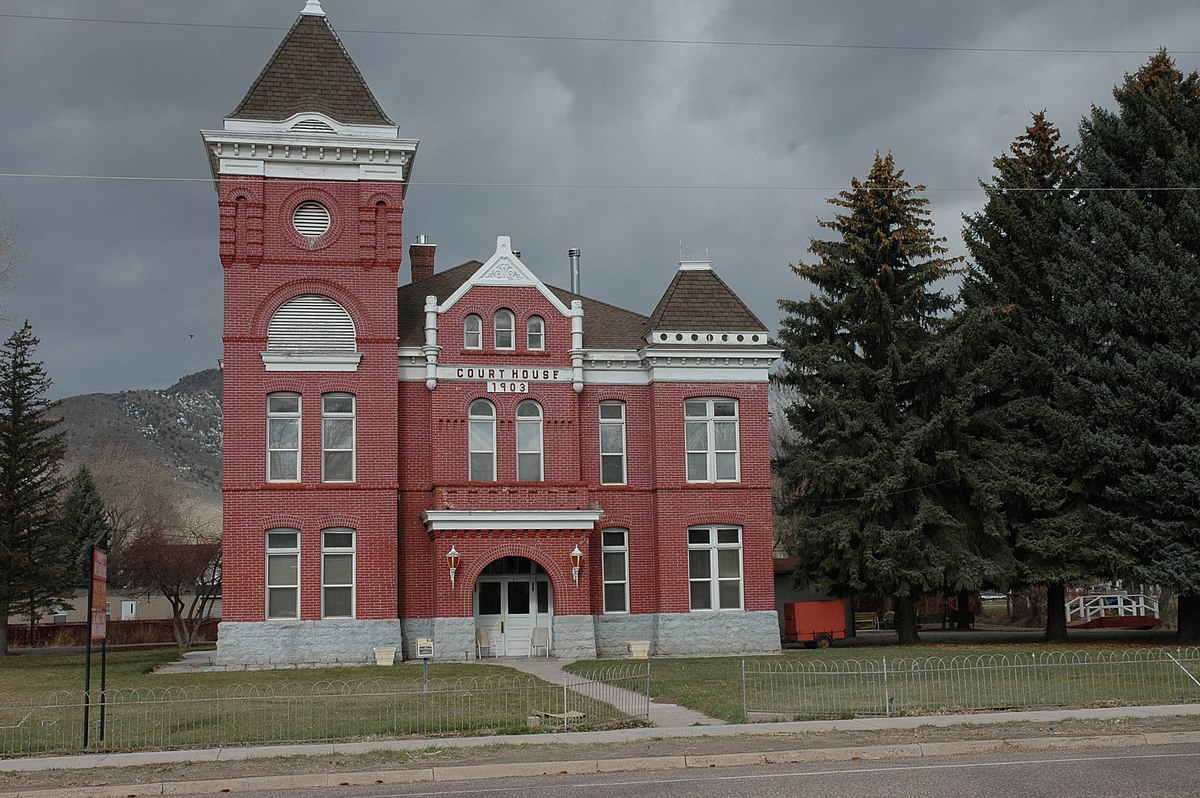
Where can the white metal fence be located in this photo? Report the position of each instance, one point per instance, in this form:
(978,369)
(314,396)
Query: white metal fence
(181,717)
(905,686)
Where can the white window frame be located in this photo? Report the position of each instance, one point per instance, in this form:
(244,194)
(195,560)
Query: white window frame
(713,546)
(281,552)
(473,332)
(505,323)
(535,334)
(536,423)
(611,423)
(608,550)
(279,417)
(481,422)
(338,551)
(326,450)
(710,455)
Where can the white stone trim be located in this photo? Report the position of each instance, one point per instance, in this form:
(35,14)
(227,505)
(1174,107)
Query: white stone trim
(439,520)
(469,372)
(311,361)
(374,132)
(695,266)
(707,338)
(503,268)
(276,151)
(617,367)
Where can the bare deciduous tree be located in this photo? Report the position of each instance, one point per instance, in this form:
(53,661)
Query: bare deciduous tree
(140,496)
(183,569)
(161,543)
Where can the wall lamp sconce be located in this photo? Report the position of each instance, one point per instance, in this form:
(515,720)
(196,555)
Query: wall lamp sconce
(576,561)
(452,560)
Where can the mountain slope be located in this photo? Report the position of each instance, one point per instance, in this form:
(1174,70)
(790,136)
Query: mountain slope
(179,426)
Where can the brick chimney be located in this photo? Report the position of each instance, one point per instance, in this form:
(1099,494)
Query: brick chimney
(420,257)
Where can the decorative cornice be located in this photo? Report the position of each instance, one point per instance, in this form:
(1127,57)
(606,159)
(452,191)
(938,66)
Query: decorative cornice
(703,337)
(285,153)
(467,520)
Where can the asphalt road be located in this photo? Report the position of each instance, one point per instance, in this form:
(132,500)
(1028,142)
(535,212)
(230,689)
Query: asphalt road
(1158,771)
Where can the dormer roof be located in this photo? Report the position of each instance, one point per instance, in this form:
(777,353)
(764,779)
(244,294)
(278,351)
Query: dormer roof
(311,71)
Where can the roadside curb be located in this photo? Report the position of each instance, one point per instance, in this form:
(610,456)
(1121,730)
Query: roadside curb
(627,764)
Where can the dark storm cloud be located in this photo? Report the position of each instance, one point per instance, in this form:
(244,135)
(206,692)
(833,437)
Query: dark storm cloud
(121,279)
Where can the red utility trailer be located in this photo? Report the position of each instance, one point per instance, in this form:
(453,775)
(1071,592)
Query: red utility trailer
(814,623)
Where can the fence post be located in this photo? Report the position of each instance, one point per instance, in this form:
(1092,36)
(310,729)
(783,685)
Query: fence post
(647,688)
(565,677)
(887,700)
(1033,671)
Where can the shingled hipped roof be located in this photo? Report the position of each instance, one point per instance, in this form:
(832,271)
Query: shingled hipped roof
(698,299)
(311,71)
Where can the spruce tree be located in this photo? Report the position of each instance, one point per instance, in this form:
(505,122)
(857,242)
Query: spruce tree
(859,478)
(1131,282)
(1028,455)
(82,523)
(31,450)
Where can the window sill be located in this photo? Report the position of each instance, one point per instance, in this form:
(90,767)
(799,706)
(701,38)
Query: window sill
(311,361)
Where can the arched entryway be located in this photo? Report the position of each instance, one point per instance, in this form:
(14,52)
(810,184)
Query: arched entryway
(513,597)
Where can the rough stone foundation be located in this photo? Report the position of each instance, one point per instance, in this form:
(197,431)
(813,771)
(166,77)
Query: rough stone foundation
(280,644)
(275,644)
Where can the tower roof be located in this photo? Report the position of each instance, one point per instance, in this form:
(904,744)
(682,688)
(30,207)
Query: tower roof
(697,299)
(311,71)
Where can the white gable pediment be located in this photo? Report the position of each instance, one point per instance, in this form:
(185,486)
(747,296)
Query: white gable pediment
(504,269)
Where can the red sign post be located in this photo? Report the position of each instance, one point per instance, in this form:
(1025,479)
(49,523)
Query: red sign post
(98,623)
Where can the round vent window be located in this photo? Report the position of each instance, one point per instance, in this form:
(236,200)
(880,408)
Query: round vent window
(311,219)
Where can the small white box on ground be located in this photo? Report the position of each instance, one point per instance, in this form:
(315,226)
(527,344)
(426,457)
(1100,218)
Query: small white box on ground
(385,655)
(638,649)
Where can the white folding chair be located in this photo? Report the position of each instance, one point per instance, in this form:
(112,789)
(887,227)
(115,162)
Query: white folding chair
(483,641)
(539,637)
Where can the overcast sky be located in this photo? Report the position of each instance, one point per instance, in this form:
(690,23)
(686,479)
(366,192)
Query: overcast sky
(728,137)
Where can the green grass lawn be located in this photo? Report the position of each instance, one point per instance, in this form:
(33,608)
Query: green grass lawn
(41,709)
(713,685)
(33,675)
(40,694)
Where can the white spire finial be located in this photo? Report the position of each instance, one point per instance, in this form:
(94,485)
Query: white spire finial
(313,7)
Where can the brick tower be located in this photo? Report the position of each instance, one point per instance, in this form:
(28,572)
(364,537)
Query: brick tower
(310,176)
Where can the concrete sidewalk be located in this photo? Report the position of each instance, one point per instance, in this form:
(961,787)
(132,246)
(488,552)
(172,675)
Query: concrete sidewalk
(633,735)
(662,715)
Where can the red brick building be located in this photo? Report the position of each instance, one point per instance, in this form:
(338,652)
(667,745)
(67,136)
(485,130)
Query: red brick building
(470,456)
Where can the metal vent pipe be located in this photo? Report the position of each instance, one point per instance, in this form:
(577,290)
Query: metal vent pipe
(573,254)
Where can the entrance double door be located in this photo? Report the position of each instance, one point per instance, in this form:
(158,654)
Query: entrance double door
(510,607)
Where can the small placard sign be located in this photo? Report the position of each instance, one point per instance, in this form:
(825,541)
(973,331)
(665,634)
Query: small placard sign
(425,648)
(99,623)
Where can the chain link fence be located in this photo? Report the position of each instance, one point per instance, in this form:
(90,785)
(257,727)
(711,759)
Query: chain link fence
(804,689)
(242,714)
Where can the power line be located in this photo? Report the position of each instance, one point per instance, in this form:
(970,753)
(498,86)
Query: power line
(623,39)
(633,186)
